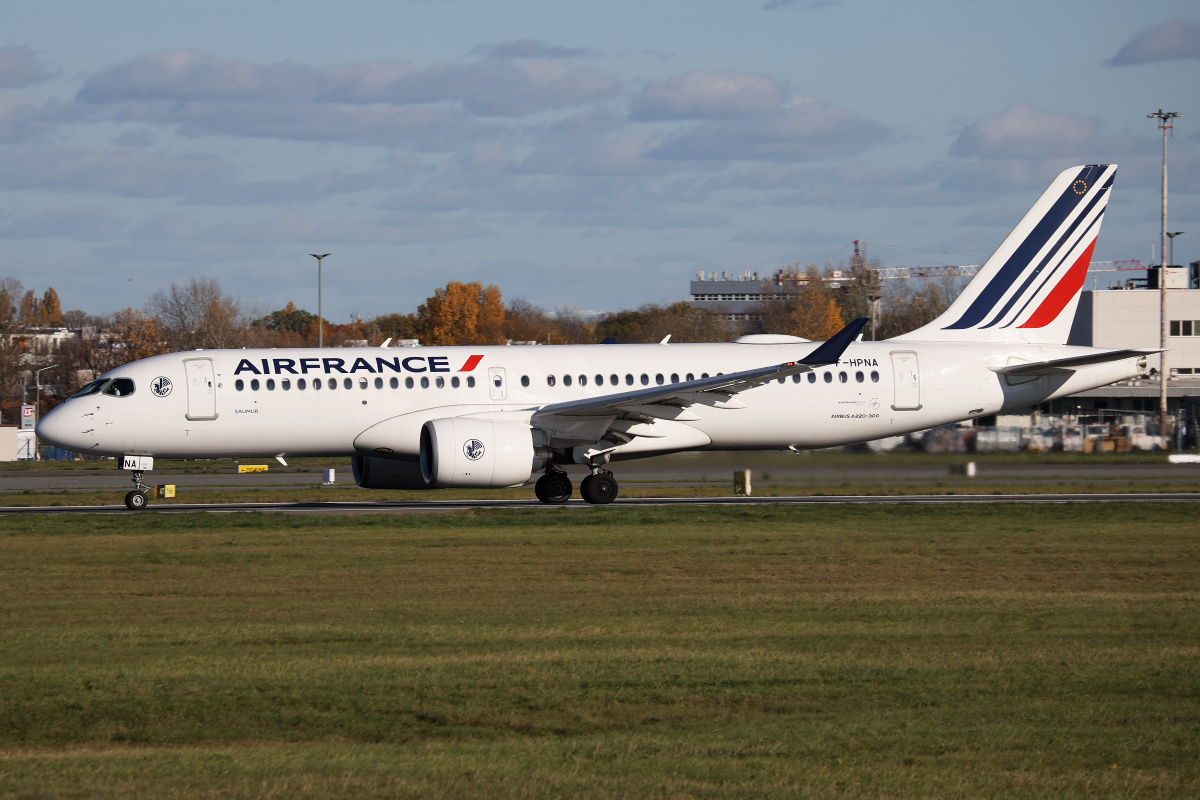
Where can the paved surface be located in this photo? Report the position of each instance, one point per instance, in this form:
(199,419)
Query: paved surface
(769,469)
(427,506)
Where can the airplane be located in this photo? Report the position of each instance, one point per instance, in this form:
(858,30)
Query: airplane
(440,417)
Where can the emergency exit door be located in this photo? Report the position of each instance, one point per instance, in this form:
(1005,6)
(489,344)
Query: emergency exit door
(201,390)
(907,376)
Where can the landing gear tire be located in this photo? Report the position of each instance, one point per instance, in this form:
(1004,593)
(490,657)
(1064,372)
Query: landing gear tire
(553,488)
(599,489)
(137,500)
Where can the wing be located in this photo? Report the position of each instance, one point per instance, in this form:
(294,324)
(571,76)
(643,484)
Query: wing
(625,415)
(1060,365)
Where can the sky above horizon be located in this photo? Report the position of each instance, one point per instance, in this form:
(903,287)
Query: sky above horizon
(593,156)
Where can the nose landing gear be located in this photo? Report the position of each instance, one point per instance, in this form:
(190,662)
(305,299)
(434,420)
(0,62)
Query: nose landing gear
(139,498)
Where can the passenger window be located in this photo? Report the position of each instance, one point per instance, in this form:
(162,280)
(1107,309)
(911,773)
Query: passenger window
(550,381)
(394,383)
(470,381)
(690,377)
(254,384)
(796,378)
(331,383)
(316,383)
(858,377)
(285,384)
(583,380)
(781,380)
(645,379)
(874,376)
(301,384)
(424,383)
(347,383)
(659,379)
(829,377)
(566,380)
(454,382)
(239,384)
(841,377)
(408,383)
(674,377)
(704,375)
(524,380)
(599,380)
(379,383)
(628,379)
(123,387)
(613,380)
(270,384)
(812,377)
(441,382)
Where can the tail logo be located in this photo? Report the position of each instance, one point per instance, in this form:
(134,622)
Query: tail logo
(1079,187)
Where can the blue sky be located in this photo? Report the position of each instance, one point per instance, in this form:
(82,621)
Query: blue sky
(591,155)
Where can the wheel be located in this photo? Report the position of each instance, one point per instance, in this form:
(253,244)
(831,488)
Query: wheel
(553,487)
(599,489)
(137,500)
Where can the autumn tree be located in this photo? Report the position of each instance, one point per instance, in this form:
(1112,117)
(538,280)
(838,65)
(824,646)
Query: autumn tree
(52,315)
(803,305)
(463,314)
(136,334)
(397,326)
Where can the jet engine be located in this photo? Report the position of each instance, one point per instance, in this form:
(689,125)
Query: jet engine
(478,452)
(371,472)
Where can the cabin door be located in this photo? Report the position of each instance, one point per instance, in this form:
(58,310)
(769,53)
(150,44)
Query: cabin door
(201,391)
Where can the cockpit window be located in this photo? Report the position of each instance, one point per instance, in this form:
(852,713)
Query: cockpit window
(92,387)
(120,387)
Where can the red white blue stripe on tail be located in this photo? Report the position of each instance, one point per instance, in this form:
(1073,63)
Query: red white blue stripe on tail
(1028,290)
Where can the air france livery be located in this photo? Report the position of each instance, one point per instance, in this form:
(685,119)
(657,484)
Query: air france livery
(439,417)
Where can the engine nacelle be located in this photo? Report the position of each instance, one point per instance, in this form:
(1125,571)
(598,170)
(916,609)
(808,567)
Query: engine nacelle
(477,452)
(386,473)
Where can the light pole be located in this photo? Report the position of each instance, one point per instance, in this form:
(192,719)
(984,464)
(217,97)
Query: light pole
(37,403)
(1164,124)
(1172,236)
(320,316)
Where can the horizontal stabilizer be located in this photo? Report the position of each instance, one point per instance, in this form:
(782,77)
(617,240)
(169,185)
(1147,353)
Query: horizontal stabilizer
(1059,365)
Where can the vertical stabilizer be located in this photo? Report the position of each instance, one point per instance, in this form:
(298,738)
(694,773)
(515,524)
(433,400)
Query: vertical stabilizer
(1029,288)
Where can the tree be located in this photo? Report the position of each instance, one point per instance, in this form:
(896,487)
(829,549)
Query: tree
(52,315)
(463,314)
(398,326)
(803,305)
(30,313)
(136,335)
(199,315)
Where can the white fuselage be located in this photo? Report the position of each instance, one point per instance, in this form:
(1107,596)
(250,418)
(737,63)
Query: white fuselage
(263,403)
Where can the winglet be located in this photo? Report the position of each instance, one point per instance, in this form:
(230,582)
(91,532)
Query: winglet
(832,350)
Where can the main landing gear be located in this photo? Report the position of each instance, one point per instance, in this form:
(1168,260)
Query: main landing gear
(555,487)
(139,498)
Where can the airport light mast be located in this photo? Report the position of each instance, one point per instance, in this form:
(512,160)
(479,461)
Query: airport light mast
(1164,118)
(320,317)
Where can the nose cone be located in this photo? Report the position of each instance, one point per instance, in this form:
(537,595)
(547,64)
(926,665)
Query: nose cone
(55,428)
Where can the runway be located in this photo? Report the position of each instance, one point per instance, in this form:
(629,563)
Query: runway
(427,506)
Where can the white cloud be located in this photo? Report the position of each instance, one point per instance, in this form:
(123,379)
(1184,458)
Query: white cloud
(1023,131)
(86,222)
(19,68)
(367,101)
(708,95)
(1177,39)
(803,129)
(529,48)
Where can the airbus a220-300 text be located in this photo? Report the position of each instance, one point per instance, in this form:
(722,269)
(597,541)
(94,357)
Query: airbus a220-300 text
(440,417)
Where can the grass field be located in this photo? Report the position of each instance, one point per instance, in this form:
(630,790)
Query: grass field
(714,652)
